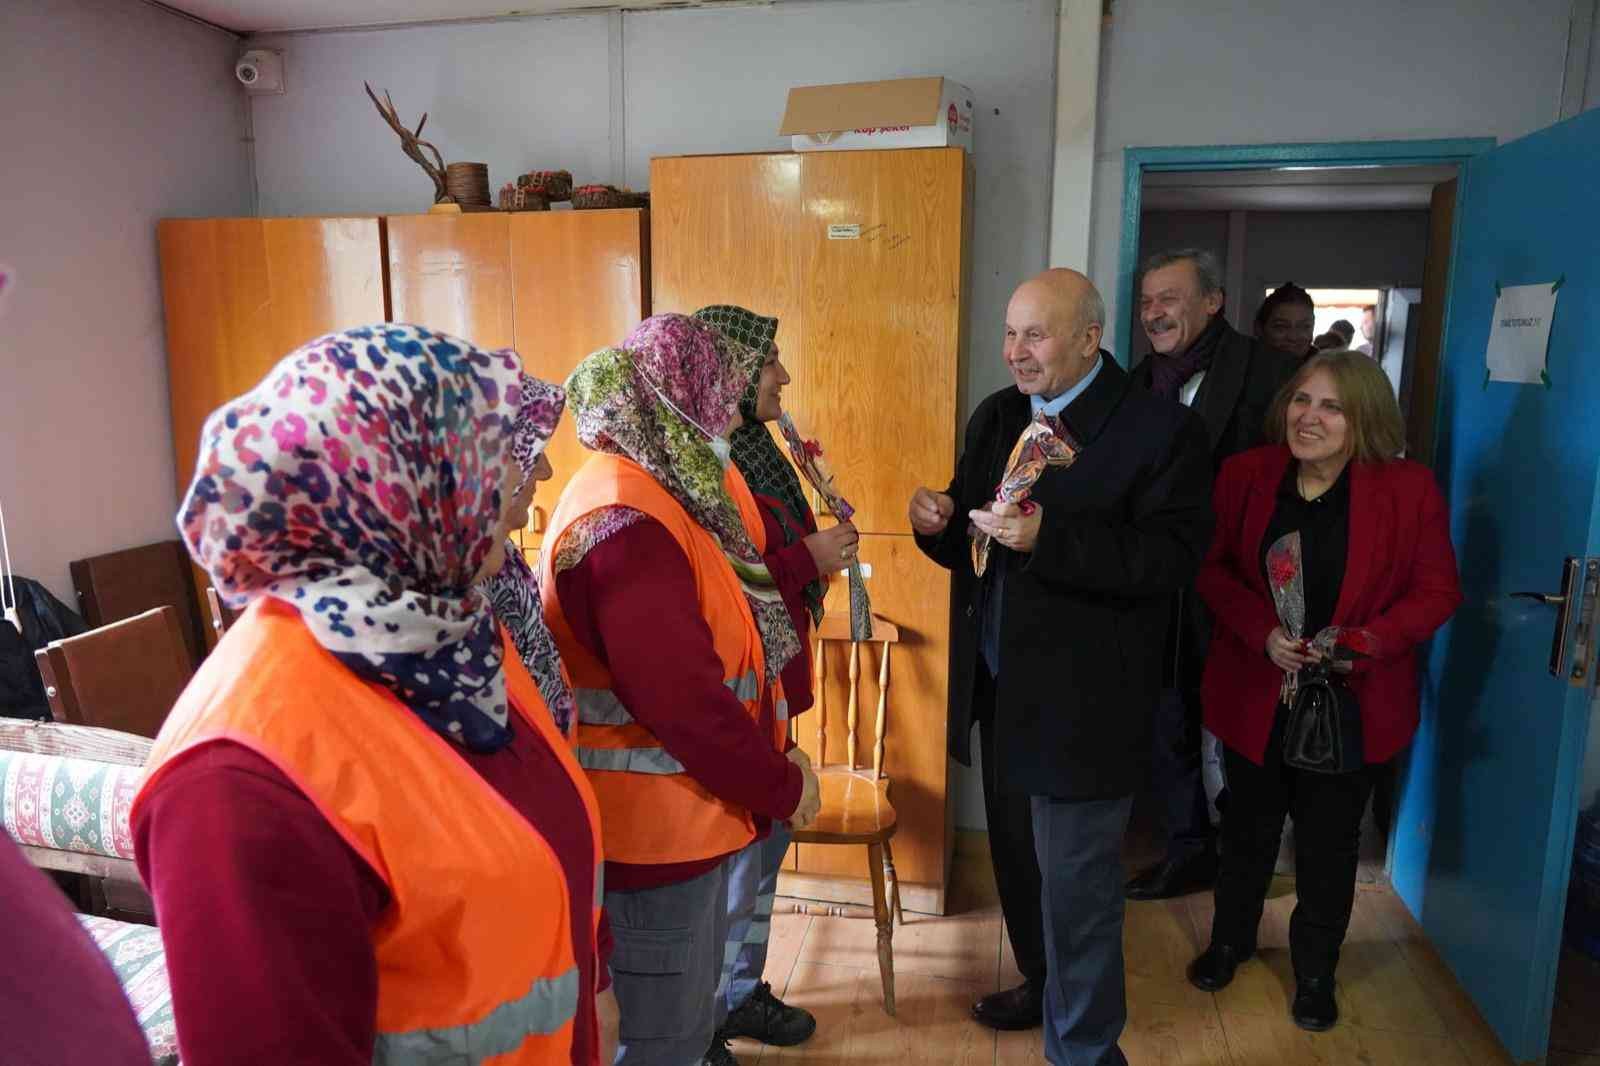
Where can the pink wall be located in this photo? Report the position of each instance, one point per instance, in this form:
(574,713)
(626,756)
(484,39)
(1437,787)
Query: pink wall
(113,114)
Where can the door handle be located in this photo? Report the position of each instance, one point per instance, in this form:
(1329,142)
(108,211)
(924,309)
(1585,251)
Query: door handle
(1562,601)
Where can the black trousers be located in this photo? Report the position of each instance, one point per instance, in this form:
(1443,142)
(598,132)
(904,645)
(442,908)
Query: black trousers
(1176,769)
(1011,847)
(1327,811)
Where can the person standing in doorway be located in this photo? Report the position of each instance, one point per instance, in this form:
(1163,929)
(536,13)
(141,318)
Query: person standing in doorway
(1229,379)
(1369,332)
(1286,321)
(1057,646)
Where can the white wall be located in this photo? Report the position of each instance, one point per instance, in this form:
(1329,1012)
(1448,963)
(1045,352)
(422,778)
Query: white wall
(1239,72)
(116,114)
(518,94)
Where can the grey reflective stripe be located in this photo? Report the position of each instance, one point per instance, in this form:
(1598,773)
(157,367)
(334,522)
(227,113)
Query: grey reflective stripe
(629,760)
(600,706)
(551,1003)
(746,687)
(782,710)
(600,883)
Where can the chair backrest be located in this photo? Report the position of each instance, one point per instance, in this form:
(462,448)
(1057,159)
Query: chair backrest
(222,616)
(124,676)
(835,628)
(125,583)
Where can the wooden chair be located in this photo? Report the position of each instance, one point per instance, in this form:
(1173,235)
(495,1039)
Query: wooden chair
(125,676)
(855,802)
(125,583)
(222,616)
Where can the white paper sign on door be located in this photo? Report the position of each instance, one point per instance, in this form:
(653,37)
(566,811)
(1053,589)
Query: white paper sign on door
(1520,334)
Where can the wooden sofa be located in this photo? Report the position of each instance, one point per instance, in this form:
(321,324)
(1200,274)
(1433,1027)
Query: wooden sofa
(66,792)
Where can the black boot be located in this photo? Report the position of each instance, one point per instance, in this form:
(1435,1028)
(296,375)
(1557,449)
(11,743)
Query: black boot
(767,1018)
(1314,1006)
(1213,970)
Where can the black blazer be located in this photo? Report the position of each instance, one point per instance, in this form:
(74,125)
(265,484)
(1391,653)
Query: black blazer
(1232,401)
(1084,615)
(1233,398)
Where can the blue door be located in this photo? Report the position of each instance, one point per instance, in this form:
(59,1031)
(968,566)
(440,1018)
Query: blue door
(1488,811)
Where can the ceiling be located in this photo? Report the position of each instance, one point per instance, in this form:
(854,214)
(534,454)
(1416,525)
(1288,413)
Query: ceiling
(1321,189)
(272,16)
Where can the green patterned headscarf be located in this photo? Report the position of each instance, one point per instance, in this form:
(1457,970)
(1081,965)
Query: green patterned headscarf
(755,453)
(657,400)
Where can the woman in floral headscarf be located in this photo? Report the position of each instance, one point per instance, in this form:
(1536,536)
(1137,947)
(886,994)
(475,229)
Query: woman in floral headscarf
(670,623)
(798,554)
(513,591)
(365,839)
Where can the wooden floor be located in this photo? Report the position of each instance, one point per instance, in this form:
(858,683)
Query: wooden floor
(1398,1002)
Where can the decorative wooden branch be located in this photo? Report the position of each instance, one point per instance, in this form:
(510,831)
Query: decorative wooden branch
(412,144)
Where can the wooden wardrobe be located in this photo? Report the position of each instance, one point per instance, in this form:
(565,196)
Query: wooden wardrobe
(861,255)
(241,293)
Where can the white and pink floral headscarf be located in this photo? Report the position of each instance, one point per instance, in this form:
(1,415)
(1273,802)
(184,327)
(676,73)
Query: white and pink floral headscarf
(359,482)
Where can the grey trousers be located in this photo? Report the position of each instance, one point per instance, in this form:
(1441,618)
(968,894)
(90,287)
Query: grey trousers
(667,960)
(752,887)
(1080,855)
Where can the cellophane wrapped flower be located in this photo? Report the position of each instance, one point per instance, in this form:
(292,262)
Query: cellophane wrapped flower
(1340,646)
(1045,443)
(1286,579)
(808,459)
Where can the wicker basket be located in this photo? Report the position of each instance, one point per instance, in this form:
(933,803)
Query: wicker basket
(554,185)
(468,184)
(522,198)
(596,197)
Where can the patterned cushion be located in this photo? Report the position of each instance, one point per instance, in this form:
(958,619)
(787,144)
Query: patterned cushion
(54,801)
(135,953)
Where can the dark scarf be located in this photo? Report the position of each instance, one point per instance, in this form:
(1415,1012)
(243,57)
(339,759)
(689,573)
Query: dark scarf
(754,452)
(1169,373)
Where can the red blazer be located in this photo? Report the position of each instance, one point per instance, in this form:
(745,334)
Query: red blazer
(1400,582)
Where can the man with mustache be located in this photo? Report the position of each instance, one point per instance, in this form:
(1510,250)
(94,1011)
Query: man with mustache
(1056,649)
(1229,379)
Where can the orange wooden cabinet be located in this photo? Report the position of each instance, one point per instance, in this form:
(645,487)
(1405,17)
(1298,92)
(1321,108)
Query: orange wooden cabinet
(581,282)
(240,294)
(861,256)
(452,273)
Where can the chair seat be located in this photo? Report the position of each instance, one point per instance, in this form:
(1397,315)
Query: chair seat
(855,809)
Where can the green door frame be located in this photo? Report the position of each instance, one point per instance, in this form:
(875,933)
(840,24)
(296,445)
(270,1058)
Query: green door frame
(1137,161)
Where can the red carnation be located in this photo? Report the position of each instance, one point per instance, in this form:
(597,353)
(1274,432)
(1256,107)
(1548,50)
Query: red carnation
(813,449)
(1281,568)
(1358,642)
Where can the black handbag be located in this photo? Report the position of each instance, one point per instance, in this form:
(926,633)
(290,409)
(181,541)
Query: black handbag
(1322,731)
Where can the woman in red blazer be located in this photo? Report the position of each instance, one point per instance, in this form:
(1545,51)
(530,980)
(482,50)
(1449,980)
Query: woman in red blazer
(1376,553)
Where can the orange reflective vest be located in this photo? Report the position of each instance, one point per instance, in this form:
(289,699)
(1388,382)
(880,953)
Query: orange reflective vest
(651,810)
(474,956)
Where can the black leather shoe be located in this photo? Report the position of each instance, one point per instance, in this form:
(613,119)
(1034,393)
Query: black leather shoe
(1015,1008)
(1314,1006)
(719,1053)
(1213,970)
(767,1018)
(1175,877)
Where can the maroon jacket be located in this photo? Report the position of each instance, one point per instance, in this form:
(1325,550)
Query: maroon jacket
(1400,582)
